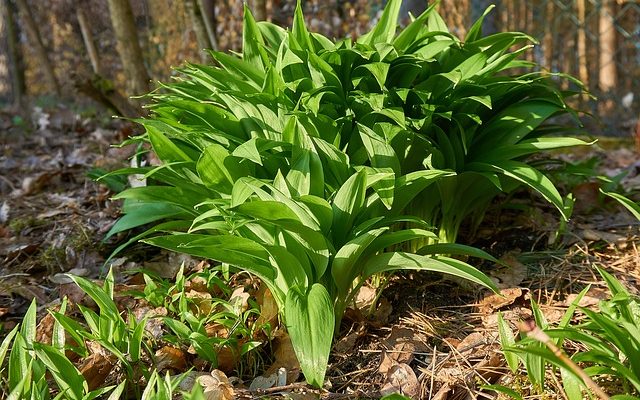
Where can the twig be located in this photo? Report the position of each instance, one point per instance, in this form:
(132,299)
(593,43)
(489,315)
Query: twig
(534,332)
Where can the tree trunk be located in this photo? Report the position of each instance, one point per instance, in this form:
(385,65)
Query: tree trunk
(259,10)
(197,22)
(40,51)
(128,46)
(547,41)
(89,43)
(14,53)
(608,78)
(583,70)
(208,12)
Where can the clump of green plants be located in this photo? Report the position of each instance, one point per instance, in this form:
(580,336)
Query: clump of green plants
(30,363)
(609,340)
(315,164)
(188,317)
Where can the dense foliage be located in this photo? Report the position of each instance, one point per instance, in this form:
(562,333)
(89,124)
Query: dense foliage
(316,164)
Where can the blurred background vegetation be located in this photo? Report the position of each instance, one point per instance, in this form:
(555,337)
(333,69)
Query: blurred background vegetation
(70,51)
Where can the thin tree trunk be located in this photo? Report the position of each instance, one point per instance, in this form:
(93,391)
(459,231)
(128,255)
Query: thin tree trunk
(128,46)
(208,12)
(548,37)
(199,28)
(89,43)
(41,52)
(259,10)
(16,74)
(608,77)
(583,70)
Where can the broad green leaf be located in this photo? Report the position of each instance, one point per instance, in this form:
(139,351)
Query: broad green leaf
(100,296)
(476,30)
(6,342)
(403,261)
(410,33)
(29,324)
(145,213)
(310,321)
(571,384)
(347,203)
(456,249)
(253,51)
(164,148)
(66,375)
(507,339)
(117,392)
(527,175)
(20,362)
(633,207)
(380,153)
(234,250)
(219,170)
(347,259)
(299,29)
(385,29)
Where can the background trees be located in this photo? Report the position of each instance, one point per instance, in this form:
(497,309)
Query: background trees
(137,41)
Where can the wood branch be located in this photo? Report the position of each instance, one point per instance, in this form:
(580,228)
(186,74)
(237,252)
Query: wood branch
(36,41)
(89,43)
(208,13)
(103,91)
(197,22)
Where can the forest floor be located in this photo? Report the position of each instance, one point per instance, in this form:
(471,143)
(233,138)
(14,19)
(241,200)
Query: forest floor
(425,336)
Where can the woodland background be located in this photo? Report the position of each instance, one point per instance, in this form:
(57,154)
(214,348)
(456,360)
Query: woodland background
(108,50)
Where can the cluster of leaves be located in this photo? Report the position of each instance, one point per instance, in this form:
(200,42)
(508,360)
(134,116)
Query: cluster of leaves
(30,361)
(610,339)
(316,164)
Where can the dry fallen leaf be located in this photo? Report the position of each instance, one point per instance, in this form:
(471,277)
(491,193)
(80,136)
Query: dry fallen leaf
(268,307)
(240,300)
(401,379)
(592,298)
(401,345)
(169,357)
(97,366)
(495,302)
(285,357)
(216,386)
(201,302)
(366,295)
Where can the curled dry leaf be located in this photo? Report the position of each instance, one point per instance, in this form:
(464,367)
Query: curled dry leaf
(592,298)
(401,345)
(216,386)
(495,302)
(401,379)
(169,357)
(240,300)
(268,307)
(228,358)
(279,378)
(348,341)
(97,367)
(201,302)
(285,357)
(366,295)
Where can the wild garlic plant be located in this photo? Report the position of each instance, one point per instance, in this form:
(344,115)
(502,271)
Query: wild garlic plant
(315,164)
